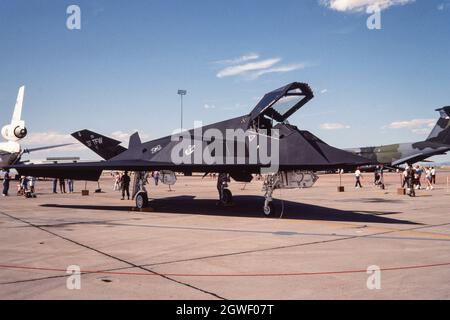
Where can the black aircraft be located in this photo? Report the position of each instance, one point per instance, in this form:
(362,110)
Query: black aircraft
(261,142)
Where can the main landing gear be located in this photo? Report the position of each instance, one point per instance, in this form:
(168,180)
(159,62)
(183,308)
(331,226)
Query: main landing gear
(141,200)
(270,184)
(225,195)
(293,179)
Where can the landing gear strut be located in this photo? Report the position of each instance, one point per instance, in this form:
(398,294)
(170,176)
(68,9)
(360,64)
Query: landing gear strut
(270,184)
(225,195)
(139,191)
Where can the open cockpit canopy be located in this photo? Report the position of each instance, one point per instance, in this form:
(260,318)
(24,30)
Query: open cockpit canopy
(280,104)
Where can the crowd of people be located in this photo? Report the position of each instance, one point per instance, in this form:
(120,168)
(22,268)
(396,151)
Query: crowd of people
(62,185)
(27,185)
(411,178)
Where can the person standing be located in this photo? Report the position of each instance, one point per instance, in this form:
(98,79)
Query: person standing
(24,184)
(156,177)
(125,181)
(62,185)
(6,180)
(433,175)
(116,186)
(381,177)
(405,176)
(410,178)
(428,178)
(358,177)
(376,178)
(70,185)
(418,177)
(32,184)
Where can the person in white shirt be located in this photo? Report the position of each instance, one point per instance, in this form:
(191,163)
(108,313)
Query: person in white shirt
(358,177)
(428,179)
(32,183)
(405,176)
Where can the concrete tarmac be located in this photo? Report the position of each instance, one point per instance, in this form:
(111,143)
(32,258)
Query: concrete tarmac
(190,248)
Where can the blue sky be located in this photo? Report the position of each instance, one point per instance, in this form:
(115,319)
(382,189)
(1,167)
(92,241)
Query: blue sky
(122,70)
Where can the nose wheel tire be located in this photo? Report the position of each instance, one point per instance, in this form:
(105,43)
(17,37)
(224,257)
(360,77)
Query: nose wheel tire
(141,200)
(269,210)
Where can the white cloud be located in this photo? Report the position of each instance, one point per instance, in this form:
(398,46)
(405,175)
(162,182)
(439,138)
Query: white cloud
(38,139)
(278,69)
(324,91)
(412,124)
(417,126)
(120,135)
(209,106)
(333,126)
(41,139)
(243,68)
(443,6)
(125,136)
(241,59)
(250,67)
(361,5)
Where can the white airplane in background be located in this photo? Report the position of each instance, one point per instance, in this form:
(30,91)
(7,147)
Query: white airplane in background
(11,151)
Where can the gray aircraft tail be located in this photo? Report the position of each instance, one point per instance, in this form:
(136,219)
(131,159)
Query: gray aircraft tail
(105,147)
(441,132)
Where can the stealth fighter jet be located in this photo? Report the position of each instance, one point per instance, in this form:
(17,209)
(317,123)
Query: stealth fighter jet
(260,142)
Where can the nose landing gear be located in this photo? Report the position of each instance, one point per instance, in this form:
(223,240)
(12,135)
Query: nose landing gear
(225,195)
(270,184)
(140,194)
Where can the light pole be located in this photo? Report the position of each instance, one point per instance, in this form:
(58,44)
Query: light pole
(182,93)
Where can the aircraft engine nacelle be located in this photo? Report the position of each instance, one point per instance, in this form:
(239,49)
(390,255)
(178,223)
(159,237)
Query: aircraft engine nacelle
(297,179)
(290,180)
(13,132)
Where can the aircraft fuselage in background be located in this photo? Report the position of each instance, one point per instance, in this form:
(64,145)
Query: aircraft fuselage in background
(11,150)
(393,155)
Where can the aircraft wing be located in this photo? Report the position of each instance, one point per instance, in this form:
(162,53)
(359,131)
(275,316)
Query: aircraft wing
(91,171)
(46,147)
(421,156)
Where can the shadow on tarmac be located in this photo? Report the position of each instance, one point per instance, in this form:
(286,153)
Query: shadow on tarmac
(252,206)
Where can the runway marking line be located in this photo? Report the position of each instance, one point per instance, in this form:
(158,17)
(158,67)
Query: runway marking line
(12,267)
